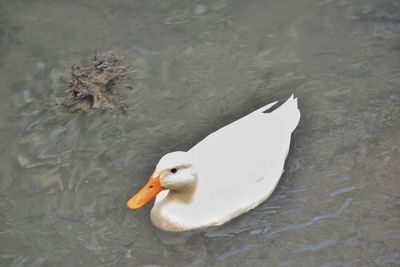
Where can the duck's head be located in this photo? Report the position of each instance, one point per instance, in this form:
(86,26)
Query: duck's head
(174,172)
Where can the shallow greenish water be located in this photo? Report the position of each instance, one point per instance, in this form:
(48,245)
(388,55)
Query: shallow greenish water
(65,178)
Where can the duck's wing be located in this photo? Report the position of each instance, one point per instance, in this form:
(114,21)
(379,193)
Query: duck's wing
(240,165)
(260,123)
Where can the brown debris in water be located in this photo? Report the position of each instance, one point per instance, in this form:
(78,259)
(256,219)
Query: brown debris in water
(95,87)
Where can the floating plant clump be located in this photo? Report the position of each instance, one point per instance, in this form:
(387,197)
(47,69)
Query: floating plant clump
(96,85)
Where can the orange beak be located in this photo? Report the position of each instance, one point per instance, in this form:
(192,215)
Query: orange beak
(147,193)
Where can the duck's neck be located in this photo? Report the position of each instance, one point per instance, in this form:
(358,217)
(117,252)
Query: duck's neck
(183,195)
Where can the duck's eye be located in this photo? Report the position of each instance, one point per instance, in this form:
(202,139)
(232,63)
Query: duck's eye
(174,170)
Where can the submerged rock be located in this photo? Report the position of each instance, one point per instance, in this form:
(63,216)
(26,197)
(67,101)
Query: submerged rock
(96,85)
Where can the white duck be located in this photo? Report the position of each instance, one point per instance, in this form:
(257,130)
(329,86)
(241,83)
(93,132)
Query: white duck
(226,174)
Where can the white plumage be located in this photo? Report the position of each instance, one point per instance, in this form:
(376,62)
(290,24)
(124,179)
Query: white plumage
(227,173)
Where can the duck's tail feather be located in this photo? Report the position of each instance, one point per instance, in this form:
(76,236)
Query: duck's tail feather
(288,113)
(265,108)
(259,110)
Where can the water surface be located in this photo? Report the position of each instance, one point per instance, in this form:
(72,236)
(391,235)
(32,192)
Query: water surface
(65,178)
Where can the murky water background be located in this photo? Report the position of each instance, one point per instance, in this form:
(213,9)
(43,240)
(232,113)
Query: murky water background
(65,178)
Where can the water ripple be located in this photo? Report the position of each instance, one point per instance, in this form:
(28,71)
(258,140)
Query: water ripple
(236,251)
(312,221)
(343,190)
(317,247)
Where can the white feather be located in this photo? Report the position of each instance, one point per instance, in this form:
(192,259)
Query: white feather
(238,167)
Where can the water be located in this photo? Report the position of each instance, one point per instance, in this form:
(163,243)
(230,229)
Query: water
(65,178)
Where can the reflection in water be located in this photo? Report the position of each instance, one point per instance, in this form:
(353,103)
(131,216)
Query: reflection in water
(65,178)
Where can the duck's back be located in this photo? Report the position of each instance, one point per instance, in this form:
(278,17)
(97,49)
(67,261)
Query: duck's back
(239,166)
